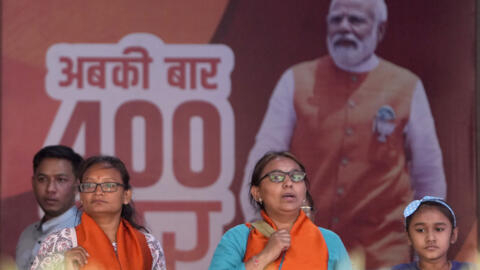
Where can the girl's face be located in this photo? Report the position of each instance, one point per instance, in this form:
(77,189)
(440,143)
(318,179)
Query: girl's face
(431,233)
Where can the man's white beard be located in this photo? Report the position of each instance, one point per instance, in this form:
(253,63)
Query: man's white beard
(347,57)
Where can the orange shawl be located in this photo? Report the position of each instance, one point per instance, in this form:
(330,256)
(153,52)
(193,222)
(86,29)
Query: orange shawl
(132,249)
(308,249)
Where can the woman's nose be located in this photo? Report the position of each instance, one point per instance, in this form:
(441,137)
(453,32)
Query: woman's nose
(288,181)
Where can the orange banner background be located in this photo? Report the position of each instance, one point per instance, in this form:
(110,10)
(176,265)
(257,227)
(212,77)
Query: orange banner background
(437,42)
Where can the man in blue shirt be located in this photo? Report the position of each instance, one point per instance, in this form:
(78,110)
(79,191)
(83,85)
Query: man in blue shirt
(54,183)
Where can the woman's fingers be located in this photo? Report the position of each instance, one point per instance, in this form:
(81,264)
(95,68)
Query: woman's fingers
(279,241)
(75,258)
(284,239)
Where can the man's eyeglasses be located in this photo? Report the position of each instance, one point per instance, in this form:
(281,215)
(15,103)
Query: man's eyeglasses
(280,176)
(89,187)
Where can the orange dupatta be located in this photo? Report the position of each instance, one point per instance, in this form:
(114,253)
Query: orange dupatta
(132,249)
(308,249)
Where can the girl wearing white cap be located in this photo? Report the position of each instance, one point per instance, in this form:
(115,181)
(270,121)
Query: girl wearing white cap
(431,228)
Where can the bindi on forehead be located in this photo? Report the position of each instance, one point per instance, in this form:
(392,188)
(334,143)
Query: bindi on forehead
(99,178)
(102,173)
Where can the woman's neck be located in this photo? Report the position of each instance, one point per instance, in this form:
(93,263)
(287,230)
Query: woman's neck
(284,221)
(109,225)
(438,265)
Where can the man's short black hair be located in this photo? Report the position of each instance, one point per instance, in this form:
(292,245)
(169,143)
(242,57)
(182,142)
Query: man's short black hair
(60,152)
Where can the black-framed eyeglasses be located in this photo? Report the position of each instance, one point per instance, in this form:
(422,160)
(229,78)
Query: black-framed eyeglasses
(278,176)
(90,187)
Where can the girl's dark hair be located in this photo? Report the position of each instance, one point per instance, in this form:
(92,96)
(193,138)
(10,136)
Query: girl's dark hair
(128,210)
(262,163)
(444,210)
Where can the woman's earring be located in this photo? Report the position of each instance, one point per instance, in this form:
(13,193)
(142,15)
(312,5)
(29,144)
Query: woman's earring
(260,201)
(307,209)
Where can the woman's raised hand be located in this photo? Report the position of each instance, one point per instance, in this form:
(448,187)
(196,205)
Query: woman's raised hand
(279,242)
(76,258)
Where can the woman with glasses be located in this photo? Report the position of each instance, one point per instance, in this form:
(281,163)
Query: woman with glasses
(285,238)
(108,236)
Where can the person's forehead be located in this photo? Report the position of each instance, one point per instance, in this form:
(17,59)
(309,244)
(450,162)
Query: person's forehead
(281,163)
(54,166)
(429,214)
(353,7)
(102,172)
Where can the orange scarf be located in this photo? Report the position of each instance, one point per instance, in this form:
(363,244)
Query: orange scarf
(308,249)
(132,249)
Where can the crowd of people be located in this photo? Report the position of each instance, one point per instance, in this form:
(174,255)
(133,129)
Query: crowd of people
(361,125)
